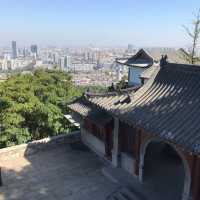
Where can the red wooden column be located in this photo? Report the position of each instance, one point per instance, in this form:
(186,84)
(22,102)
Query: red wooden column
(191,162)
(136,147)
(194,164)
(195,173)
(1,182)
(115,151)
(109,139)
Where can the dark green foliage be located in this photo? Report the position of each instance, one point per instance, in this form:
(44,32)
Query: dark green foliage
(123,84)
(32,106)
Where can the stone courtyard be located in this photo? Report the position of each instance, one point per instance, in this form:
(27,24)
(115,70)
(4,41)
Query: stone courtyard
(63,172)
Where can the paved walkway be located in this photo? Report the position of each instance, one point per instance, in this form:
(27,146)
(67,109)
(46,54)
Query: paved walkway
(58,174)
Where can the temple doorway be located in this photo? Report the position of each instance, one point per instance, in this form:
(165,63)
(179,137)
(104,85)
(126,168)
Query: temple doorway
(164,171)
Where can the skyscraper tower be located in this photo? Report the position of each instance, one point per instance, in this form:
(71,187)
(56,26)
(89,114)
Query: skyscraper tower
(14,49)
(34,51)
(65,63)
(24,52)
(130,48)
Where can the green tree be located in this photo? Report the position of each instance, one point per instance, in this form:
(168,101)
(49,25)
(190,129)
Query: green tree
(191,55)
(32,105)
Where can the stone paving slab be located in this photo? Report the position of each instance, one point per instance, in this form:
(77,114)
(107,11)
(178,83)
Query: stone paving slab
(57,174)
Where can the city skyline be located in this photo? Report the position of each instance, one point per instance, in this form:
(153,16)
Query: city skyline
(102,23)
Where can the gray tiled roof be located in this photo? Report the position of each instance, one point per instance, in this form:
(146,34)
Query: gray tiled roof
(140,59)
(81,106)
(85,109)
(147,73)
(168,105)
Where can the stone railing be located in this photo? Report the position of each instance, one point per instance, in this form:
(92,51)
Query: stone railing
(38,145)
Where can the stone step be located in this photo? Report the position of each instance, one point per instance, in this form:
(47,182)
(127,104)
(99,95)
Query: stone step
(121,196)
(128,194)
(124,194)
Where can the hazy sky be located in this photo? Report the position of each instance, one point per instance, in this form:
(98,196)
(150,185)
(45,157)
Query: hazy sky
(98,22)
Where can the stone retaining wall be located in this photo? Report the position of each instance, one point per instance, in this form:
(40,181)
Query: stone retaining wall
(36,146)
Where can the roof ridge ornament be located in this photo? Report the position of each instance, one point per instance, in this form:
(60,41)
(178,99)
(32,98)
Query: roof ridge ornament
(163,60)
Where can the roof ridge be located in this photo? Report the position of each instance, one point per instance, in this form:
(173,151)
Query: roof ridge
(182,67)
(114,93)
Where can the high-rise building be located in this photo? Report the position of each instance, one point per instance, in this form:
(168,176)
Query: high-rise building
(7,56)
(14,50)
(24,52)
(130,48)
(54,58)
(61,63)
(65,63)
(119,72)
(34,51)
(68,62)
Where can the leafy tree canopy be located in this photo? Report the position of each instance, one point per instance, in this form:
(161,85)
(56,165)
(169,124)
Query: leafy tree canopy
(32,105)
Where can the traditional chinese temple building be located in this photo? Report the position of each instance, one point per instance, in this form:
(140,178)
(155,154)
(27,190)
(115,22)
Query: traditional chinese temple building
(152,133)
(137,65)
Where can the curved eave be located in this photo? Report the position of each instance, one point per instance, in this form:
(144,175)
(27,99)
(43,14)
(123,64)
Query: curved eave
(137,65)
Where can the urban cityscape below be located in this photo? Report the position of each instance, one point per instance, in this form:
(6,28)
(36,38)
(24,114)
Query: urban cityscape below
(88,65)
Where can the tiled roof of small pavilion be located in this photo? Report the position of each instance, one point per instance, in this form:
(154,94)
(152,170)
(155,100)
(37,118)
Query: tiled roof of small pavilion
(168,105)
(140,59)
